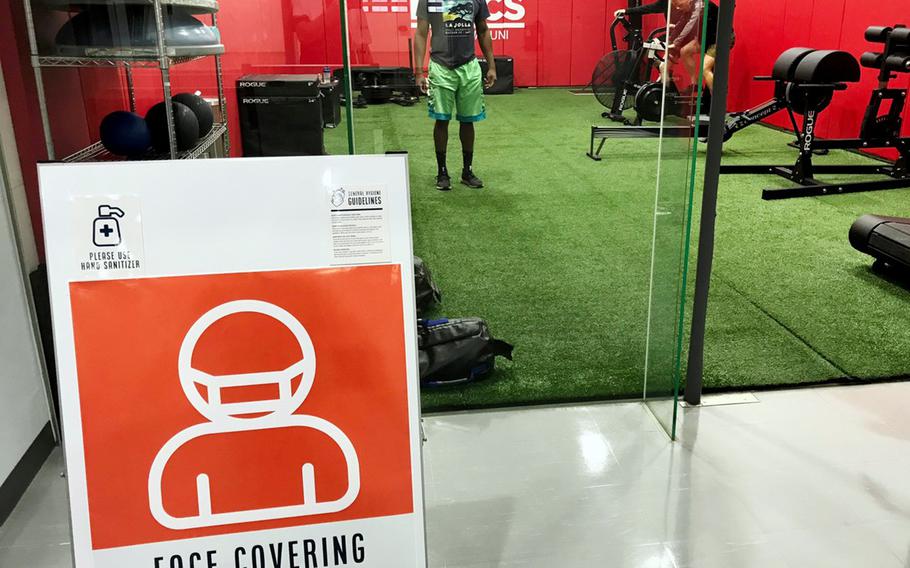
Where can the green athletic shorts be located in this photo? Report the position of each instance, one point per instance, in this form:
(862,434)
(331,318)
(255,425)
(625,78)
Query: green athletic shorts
(456,92)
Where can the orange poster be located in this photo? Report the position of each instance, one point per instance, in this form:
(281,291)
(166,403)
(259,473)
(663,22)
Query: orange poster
(229,403)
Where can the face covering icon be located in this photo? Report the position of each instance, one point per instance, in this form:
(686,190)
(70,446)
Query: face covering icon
(260,416)
(106,229)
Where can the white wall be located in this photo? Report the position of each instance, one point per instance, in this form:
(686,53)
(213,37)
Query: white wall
(23,401)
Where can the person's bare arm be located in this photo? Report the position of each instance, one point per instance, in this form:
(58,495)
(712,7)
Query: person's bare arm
(486,46)
(420,53)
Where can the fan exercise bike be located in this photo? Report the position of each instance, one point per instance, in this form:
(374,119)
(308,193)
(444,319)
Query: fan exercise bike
(632,78)
(627,78)
(621,75)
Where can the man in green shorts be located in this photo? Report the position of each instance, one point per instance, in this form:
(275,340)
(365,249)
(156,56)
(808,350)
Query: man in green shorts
(455,81)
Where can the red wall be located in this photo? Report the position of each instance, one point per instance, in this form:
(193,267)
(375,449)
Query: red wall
(559,44)
(765,28)
(554,43)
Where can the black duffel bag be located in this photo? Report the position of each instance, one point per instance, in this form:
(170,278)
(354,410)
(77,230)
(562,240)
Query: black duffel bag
(428,295)
(457,351)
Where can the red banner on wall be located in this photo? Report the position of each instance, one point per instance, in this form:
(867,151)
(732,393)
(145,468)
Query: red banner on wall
(552,43)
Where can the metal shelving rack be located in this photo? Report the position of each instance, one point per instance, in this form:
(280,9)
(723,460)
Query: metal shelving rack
(160,56)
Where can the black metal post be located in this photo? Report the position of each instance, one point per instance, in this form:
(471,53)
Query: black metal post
(637,20)
(696,368)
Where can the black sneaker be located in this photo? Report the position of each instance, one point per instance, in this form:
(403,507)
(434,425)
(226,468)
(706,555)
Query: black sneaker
(469,179)
(443,182)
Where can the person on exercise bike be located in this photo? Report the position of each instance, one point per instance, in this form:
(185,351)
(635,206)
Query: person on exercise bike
(685,33)
(689,38)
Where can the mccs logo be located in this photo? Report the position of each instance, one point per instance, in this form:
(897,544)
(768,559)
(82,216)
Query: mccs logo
(504,14)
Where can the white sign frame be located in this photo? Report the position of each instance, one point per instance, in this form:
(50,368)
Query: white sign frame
(271,214)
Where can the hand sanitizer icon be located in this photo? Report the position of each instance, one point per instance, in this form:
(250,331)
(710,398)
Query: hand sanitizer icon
(106,231)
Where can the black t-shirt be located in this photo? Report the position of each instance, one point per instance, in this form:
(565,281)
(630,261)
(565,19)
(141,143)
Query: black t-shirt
(453,28)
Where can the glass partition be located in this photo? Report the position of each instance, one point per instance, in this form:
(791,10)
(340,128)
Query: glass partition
(574,249)
(380,39)
(684,95)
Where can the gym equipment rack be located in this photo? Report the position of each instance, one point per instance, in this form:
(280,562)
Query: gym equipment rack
(159,56)
(881,126)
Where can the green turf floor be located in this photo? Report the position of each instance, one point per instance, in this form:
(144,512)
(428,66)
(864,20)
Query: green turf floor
(791,261)
(556,255)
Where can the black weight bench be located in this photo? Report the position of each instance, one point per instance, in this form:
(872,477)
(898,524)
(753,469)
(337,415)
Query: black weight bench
(807,80)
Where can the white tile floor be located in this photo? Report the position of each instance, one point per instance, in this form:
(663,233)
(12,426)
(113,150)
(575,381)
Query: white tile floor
(800,479)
